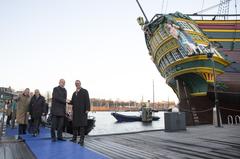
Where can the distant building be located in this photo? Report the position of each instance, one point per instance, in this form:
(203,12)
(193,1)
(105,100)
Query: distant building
(6,94)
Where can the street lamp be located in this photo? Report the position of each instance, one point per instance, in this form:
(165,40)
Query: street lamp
(210,54)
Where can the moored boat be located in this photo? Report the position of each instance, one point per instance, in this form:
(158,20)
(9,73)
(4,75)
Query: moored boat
(130,118)
(68,124)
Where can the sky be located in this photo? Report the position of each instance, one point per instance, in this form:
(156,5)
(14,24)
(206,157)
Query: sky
(98,42)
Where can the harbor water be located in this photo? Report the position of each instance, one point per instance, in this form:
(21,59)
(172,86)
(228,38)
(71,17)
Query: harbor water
(107,124)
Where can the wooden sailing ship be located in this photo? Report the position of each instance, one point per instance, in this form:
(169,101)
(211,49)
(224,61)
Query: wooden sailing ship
(180,49)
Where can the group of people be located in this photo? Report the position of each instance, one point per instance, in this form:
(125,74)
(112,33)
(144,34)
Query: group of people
(19,109)
(80,107)
(30,110)
(10,106)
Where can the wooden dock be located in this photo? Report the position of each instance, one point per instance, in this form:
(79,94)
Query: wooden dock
(208,142)
(10,148)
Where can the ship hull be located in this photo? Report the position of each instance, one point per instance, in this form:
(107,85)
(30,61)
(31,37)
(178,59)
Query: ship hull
(200,59)
(199,109)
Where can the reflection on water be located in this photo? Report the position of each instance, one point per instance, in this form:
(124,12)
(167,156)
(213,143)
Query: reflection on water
(106,123)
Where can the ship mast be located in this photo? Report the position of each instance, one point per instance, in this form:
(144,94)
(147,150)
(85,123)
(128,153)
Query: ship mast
(146,19)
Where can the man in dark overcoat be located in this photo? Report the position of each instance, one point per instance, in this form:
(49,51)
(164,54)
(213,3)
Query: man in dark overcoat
(58,110)
(81,106)
(36,110)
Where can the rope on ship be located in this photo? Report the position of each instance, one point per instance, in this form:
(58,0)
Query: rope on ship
(230,109)
(196,111)
(214,6)
(206,110)
(235,32)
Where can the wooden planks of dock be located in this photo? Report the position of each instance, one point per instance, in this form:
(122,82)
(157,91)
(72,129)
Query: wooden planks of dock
(206,142)
(10,148)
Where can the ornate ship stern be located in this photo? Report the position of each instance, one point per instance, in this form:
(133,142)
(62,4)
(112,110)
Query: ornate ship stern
(188,61)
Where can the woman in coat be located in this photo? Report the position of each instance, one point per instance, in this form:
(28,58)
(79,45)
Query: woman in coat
(22,111)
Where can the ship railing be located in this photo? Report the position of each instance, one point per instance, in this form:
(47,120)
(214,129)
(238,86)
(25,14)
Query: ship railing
(230,119)
(237,119)
(213,16)
(205,16)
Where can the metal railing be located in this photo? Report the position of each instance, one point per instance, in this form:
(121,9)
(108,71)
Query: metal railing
(232,120)
(204,16)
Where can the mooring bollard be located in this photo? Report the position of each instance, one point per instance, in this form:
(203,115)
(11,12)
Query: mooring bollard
(237,119)
(230,119)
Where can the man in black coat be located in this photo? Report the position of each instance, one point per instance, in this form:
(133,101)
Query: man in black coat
(36,110)
(81,107)
(58,110)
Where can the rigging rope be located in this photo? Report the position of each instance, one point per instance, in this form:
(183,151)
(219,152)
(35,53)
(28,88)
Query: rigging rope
(202,5)
(195,111)
(214,6)
(223,8)
(162,7)
(206,110)
(235,32)
(166,7)
(230,109)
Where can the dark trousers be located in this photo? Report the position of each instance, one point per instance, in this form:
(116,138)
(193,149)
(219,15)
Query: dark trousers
(81,132)
(22,129)
(9,117)
(57,124)
(13,119)
(43,122)
(36,124)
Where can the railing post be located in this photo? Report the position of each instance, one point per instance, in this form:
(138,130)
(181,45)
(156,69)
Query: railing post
(230,119)
(237,117)
(2,124)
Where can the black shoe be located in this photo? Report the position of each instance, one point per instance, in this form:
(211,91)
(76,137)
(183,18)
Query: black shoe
(61,139)
(54,140)
(81,142)
(19,137)
(73,140)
